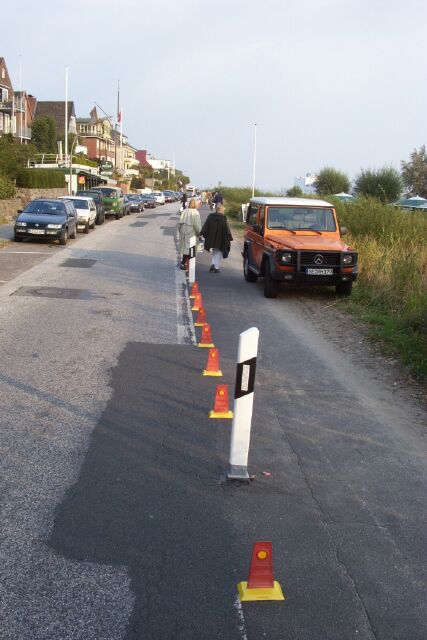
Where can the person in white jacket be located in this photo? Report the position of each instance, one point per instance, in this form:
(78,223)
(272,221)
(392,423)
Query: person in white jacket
(189,225)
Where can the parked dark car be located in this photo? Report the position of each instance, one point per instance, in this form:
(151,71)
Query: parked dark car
(169,196)
(149,201)
(136,203)
(97,197)
(47,218)
(127,205)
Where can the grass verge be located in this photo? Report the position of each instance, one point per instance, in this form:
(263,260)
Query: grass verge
(391,291)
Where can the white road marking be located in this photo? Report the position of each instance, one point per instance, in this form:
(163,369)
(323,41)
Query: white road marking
(42,253)
(241,625)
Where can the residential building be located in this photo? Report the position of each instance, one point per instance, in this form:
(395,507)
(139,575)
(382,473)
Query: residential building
(96,133)
(56,110)
(306,183)
(16,108)
(126,155)
(157,164)
(141,156)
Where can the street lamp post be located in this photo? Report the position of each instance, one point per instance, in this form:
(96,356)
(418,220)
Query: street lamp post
(254,162)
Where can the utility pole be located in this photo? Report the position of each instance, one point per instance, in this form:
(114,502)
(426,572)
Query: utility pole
(21,96)
(254,162)
(66,114)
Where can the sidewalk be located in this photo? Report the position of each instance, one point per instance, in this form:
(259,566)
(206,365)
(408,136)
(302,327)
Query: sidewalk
(6,231)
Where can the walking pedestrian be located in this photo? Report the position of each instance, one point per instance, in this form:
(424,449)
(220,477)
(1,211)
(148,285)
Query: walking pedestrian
(184,200)
(217,199)
(217,235)
(189,225)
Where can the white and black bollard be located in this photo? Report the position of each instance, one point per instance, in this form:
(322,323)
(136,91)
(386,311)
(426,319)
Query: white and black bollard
(243,404)
(192,261)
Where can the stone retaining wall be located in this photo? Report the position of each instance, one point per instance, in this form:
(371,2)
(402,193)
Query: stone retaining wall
(10,206)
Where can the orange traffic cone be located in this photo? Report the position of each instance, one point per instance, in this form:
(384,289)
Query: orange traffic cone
(197,302)
(212,365)
(221,409)
(201,318)
(194,290)
(206,339)
(261,584)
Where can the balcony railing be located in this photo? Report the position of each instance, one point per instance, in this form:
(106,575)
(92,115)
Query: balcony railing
(12,105)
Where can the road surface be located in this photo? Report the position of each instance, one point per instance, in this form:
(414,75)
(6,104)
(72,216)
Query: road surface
(116,520)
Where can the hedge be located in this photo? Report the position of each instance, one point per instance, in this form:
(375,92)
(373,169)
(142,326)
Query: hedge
(40,178)
(7,188)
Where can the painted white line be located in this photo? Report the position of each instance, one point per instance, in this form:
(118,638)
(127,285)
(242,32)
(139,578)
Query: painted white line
(2,281)
(241,624)
(186,333)
(41,253)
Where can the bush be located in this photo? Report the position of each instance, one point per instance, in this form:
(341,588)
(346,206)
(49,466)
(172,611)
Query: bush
(295,192)
(80,159)
(7,188)
(40,178)
(330,180)
(392,281)
(384,184)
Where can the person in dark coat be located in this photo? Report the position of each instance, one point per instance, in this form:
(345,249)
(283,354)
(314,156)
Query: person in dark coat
(217,199)
(217,235)
(184,200)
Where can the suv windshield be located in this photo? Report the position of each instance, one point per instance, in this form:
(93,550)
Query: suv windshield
(295,218)
(47,207)
(107,193)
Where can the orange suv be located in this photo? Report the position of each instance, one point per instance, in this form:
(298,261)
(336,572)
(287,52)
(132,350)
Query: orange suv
(296,240)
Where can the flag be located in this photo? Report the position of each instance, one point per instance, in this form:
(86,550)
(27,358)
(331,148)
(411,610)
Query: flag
(119,116)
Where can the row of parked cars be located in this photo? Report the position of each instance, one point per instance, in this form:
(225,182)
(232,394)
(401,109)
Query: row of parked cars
(61,218)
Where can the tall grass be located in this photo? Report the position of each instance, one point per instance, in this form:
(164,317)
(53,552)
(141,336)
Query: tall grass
(391,290)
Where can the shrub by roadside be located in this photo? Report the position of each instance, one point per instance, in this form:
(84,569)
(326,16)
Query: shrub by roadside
(7,188)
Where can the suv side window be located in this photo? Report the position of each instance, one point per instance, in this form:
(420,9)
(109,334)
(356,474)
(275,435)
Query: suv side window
(252,214)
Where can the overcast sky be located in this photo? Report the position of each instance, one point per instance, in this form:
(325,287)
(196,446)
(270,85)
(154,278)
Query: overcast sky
(329,82)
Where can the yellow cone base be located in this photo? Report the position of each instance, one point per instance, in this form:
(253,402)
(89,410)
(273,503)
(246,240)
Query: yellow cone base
(253,595)
(206,346)
(199,324)
(214,374)
(220,414)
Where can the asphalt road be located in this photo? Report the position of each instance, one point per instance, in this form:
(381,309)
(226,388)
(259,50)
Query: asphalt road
(116,522)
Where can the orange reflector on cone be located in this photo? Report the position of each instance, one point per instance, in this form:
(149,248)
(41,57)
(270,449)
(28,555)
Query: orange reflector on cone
(197,302)
(261,584)
(194,290)
(201,318)
(206,338)
(212,365)
(221,409)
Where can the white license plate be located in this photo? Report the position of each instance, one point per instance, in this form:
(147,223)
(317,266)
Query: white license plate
(38,232)
(319,272)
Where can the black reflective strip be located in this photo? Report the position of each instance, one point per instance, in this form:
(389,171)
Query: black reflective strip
(192,253)
(245,378)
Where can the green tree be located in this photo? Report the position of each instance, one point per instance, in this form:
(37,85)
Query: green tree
(295,192)
(330,181)
(44,134)
(384,184)
(414,173)
(14,156)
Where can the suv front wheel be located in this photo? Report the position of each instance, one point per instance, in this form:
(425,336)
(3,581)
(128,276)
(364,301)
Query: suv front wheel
(249,275)
(271,287)
(343,289)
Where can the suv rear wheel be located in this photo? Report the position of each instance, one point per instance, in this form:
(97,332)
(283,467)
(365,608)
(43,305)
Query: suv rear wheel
(343,289)
(271,287)
(249,275)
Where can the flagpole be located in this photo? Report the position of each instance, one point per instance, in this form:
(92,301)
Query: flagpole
(117,115)
(121,141)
